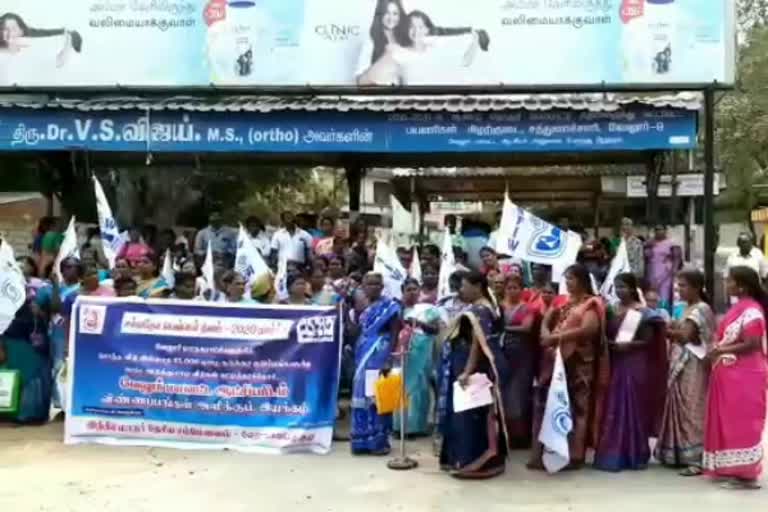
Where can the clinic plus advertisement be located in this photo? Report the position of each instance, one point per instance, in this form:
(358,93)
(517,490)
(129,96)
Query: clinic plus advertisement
(333,43)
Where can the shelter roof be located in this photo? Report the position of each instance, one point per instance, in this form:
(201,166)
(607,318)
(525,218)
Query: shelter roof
(595,102)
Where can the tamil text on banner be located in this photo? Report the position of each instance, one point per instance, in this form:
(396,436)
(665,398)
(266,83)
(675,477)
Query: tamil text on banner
(192,374)
(324,43)
(632,129)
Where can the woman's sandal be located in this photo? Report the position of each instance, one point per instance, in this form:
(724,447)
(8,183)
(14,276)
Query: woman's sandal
(691,471)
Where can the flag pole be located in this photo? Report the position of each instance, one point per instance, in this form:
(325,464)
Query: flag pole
(402,461)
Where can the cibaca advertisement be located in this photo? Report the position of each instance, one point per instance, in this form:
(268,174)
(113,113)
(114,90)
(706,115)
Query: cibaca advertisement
(340,43)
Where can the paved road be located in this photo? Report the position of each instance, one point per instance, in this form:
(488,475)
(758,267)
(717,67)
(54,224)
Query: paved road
(38,473)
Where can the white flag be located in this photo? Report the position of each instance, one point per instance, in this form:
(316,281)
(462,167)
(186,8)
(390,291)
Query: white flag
(13,291)
(207,271)
(403,221)
(527,237)
(415,269)
(619,265)
(111,239)
(392,272)
(447,266)
(248,261)
(168,273)
(557,422)
(67,249)
(505,236)
(281,279)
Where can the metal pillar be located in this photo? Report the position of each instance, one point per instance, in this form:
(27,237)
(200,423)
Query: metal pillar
(354,175)
(710,234)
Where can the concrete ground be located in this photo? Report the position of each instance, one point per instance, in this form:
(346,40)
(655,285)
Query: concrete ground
(39,474)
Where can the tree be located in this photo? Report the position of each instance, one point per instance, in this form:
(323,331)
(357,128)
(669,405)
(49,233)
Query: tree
(742,121)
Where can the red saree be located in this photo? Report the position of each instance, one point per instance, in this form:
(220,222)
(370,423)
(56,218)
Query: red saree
(736,403)
(587,368)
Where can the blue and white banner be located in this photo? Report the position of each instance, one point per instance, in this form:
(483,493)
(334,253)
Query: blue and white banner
(637,129)
(189,374)
(403,43)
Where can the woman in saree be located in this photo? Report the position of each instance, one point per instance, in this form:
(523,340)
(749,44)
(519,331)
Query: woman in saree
(378,328)
(24,347)
(662,262)
(681,438)
(736,402)
(626,426)
(421,325)
(474,442)
(49,301)
(149,284)
(577,328)
(520,353)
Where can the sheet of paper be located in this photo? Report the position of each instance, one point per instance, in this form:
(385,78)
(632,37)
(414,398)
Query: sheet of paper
(371,377)
(629,326)
(700,351)
(476,394)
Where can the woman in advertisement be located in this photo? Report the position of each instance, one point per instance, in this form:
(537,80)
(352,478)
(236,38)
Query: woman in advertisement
(391,43)
(16,35)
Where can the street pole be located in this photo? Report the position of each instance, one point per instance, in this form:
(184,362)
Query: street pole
(709,182)
(402,461)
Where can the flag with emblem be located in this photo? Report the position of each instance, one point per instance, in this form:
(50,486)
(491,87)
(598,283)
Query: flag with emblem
(13,291)
(111,239)
(67,249)
(415,268)
(248,260)
(168,275)
(619,265)
(207,273)
(447,266)
(557,422)
(388,265)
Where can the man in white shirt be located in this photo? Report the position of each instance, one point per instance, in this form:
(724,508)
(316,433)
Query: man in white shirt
(291,242)
(747,255)
(259,236)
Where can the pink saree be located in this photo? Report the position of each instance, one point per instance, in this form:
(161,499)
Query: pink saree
(736,403)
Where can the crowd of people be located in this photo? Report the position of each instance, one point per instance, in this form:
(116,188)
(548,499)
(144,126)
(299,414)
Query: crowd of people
(649,364)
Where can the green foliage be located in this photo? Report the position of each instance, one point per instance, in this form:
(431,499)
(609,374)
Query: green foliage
(742,123)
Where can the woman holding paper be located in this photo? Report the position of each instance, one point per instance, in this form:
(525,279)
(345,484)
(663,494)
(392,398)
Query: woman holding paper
(577,327)
(736,403)
(422,323)
(681,437)
(627,422)
(378,328)
(474,438)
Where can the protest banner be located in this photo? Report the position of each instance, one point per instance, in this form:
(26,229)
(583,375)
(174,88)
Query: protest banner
(199,375)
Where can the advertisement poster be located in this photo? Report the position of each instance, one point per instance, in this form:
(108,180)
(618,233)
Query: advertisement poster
(334,43)
(197,375)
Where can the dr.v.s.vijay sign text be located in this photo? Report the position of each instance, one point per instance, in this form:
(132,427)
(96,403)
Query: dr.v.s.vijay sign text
(341,43)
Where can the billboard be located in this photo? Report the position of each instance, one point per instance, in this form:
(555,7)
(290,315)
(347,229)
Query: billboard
(347,43)
(192,374)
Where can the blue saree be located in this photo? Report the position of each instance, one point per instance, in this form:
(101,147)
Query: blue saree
(474,443)
(58,329)
(370,431)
